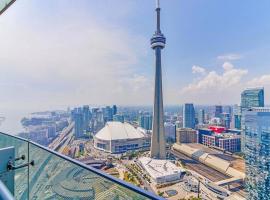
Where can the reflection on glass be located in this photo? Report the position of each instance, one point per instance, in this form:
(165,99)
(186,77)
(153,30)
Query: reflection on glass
(54,177)
(21,175)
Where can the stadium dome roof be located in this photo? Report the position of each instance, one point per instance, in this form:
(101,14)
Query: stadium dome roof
(118,131)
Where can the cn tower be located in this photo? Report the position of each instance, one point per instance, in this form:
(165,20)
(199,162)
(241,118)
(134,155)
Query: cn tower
(158,146)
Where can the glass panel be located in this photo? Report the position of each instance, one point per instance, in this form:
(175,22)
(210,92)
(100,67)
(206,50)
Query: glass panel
(21,175)
(53,177)
(4,3)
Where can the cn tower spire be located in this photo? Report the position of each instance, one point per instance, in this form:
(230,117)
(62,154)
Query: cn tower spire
(158,145)
(158,16)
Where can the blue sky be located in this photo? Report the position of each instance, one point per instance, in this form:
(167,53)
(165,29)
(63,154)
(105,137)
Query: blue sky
(56,53)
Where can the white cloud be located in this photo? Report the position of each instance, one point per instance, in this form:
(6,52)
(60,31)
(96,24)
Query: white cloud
(264,80)
(227,66)
(73,62)
(198,70)
(229,57)
(214,87)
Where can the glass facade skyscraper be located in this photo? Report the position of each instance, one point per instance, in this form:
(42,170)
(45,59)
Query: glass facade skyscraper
(218,111)
(257,152)
(253,97)
(201,116)
(188,116)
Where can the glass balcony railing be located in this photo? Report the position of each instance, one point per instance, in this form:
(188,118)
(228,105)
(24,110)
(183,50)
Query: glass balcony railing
(4,4)
(51,175)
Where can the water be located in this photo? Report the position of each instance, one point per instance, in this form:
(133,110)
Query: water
(12,122)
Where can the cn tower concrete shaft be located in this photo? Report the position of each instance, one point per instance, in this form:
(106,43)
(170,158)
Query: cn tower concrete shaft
(158,144)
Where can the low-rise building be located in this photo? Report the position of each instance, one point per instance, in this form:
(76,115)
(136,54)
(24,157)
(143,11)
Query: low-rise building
(186,135)
(226,142)
(161,171)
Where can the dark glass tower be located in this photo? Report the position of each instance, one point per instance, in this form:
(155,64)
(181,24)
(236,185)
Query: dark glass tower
(158,148)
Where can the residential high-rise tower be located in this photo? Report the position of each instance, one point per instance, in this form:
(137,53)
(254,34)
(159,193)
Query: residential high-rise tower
(257,152)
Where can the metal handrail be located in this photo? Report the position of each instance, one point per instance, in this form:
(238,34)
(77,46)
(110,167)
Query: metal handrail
(94,170)
(7,6)
(4,192)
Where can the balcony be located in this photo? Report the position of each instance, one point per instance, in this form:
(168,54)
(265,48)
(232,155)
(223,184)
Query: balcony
(31,171)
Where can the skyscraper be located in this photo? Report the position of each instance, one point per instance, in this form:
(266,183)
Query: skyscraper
(252,97)
(201,116)
(218,111)
(86,117)
(170,132)
(226,120)
(237,117)
(108,114)
(256,131)
(145,121)
(78,127)
(114,109)
(158,148)
(188,116)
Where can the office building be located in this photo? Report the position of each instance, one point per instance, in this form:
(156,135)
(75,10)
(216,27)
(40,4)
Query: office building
(170,132)
(107,114)
(114,108)
(86,117)
(252,97)
(202,132)
(236,117)
(201,116)
(78,125)
(118,118)
(256,132)
(186,135)
(218,111)
(158,146)
(229,142)
(225,142)
(226,120)
(145,121)
(188,116)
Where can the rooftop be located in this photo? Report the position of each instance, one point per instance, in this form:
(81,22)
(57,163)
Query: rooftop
(159,168)
(119,131)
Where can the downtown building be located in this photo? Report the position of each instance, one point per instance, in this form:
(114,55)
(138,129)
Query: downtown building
(186,135)
(146,121)
(225,142)
(251,97)
(218,111)
(257,152)
(189,116)
(170,132)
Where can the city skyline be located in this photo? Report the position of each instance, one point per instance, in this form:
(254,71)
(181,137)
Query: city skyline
(42,78)
(89,114)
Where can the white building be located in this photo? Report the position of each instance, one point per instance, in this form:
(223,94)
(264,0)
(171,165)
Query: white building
(118,137)
(161,171)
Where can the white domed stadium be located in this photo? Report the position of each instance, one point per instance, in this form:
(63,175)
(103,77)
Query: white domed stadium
(118,137)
